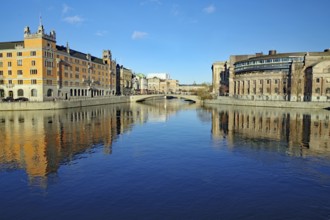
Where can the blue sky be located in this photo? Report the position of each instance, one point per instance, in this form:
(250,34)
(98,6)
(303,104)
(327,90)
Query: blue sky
(180,37)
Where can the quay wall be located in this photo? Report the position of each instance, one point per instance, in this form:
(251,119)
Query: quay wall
(274,104)
(62,104)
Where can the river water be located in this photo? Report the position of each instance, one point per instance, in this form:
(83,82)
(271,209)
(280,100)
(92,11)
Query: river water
(165,160)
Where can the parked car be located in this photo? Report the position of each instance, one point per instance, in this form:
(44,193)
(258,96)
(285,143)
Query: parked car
(8,99)
(21,99)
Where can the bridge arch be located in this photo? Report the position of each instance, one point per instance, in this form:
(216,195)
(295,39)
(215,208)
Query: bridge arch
(139,98)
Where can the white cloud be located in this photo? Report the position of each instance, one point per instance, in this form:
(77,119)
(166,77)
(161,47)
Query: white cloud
(73,19)
(137,35)
(101,33)
(66,8)
(209,9)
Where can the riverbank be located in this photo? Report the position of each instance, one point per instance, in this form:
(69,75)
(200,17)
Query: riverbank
(62,104)
(221,100)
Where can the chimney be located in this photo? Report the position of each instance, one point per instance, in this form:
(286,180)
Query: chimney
(272,52)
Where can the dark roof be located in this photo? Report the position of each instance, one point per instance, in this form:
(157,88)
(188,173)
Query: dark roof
(10,45)
(79,55)
(294,54)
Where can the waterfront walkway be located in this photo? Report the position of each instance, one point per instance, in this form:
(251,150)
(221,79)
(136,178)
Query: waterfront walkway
(224,100)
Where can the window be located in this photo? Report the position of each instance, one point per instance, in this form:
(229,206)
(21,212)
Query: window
(268,81)
(1,72)
(33,53)
(49,72)
(34,93)
(275,81)
(317,80)
(19,72)
(77,69)
(1,64)
(20,92)
(317,90)
(9,64)
(327,90)
(19,63)
(9,55)
(276,90)
(33,63)
(9,73)
(19,54)
(49,92)
(33,71)
(48,63)
(49,82)
(33,81)
(261,81)
(10,81)
(20,82)
(1,82)
(0,55)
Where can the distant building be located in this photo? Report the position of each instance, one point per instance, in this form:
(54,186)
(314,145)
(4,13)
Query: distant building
(302,76)
(190,88)
(163,76)
(142,84)
(154,85)
(40,70)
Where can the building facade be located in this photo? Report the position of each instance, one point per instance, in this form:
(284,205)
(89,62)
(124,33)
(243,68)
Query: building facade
(124,78)
(40,70)
(300,77)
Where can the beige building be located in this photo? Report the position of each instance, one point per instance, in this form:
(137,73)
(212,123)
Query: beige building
(154,85)
(164,86)
(303,76)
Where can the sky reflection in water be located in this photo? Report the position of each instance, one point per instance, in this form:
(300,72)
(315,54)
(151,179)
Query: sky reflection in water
(165,160)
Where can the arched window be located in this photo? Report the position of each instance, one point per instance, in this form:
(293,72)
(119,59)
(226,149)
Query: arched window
(71,92)
(49,92)
(20,92)
(34,93)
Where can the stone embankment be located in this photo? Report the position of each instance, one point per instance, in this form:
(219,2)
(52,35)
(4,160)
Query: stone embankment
(275,104)
(62,104)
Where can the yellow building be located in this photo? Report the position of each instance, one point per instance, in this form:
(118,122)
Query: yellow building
(40,70)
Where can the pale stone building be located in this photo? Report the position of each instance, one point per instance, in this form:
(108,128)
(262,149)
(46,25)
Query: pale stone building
(303,76)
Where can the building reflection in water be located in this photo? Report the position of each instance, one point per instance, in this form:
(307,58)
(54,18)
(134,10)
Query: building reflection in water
(300,132)
(39,142)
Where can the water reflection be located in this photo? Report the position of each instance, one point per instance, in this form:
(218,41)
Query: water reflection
(39,142)
(299,132)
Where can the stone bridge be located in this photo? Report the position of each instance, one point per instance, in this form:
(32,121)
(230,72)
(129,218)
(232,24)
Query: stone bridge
(138,98)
